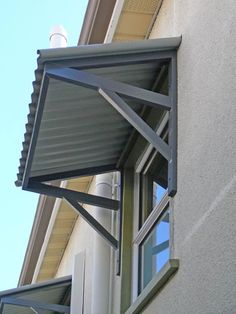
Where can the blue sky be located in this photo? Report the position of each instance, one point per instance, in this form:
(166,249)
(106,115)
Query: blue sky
(25,26)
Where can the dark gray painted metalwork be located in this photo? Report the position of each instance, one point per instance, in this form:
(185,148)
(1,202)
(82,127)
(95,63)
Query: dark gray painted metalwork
(74,173)
(40,296)
(91,57)
(119,218)
(89,80)
(73,131)
(81,197)
(110,60)
(172,164)
(130,48)
(93,223)
(73,198)
(29,303)
(139,124)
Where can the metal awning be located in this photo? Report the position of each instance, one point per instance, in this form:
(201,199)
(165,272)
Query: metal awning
(48,297)
(87,104)
(71,129)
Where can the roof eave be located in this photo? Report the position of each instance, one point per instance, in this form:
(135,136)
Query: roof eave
(96,21)
(41,220)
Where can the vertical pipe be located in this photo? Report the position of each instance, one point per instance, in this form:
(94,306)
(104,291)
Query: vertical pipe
(102,251)
(58,37)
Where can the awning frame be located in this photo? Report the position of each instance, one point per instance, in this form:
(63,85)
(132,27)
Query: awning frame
(112,92)
(58,70)
(37,307)
(14,297)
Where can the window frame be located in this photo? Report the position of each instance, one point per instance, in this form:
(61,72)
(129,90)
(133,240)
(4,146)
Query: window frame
(140,232)
(159,210)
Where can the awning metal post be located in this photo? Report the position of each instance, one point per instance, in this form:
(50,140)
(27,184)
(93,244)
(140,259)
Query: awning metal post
(172,164)
(119,218)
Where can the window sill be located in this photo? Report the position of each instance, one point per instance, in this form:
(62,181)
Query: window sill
(154,286)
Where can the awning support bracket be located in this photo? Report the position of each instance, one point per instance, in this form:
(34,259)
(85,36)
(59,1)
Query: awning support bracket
(138,123)
(94,223)
(81,197)
(74,198)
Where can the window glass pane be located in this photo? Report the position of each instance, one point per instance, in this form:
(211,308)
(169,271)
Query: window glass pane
(157,193)
(153,186)
(155,249)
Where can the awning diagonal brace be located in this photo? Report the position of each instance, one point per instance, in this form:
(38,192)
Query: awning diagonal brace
(36,304)
(74,198)
(81,197)
(138,123)
(93,222)
(86,79)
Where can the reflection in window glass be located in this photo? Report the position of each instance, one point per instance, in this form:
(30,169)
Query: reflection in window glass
(158,193)
(153,185)
(155,249)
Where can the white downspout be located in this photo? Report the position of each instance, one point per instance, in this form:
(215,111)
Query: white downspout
(102,251)
(104,257)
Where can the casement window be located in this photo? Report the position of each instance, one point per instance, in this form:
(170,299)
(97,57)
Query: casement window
(152,236)
(154,249)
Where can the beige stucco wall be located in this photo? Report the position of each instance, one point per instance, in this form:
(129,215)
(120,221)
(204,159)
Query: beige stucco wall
(204,206)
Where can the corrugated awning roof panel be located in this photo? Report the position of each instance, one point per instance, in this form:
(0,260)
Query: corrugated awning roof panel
(39,295)
(72,129)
